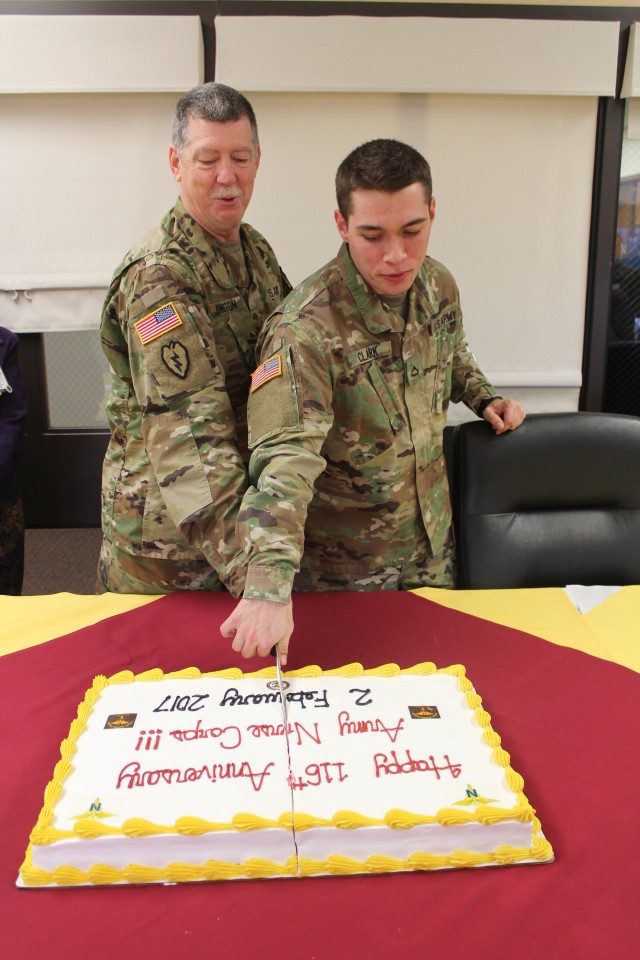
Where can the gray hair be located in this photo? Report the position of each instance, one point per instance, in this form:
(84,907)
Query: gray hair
(211,101)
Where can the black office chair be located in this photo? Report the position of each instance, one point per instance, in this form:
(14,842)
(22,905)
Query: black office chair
(556,501)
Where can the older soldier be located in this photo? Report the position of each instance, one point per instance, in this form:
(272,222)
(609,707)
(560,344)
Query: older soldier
(179,328)
(348,408)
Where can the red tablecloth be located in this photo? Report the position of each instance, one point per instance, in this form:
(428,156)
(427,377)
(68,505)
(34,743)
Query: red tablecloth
(569,721)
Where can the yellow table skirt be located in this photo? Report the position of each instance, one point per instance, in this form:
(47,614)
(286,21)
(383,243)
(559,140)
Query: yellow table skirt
(27,621)
(610,631)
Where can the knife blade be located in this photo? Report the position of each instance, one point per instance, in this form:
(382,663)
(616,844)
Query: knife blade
(285,724)
(283,696)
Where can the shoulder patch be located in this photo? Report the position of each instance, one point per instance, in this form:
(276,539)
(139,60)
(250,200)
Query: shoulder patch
(155,324)
(266,371)
(175,357)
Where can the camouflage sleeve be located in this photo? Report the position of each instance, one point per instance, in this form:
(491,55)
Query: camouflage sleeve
(187,421)
(290,415)
(468,383)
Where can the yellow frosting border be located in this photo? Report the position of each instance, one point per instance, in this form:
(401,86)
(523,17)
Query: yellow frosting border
(44,834)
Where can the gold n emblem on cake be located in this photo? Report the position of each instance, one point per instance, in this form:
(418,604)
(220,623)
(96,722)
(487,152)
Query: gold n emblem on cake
(472,798)
(94,812)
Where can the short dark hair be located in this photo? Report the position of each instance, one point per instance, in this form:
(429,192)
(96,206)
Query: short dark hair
(211,101)
(387,165)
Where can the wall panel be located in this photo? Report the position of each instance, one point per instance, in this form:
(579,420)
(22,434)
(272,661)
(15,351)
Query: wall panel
(512,180)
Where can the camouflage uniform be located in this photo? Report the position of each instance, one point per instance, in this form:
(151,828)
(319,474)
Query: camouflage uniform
(180,339)
(348,423)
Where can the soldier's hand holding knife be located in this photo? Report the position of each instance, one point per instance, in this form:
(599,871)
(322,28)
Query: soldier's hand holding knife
(257,626)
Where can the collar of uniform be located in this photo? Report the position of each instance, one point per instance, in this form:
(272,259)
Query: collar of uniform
(426,287)
(194,235)
(375,317)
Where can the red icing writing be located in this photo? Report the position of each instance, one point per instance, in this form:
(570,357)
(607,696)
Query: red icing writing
(152,741)
(348,726)
(277,730)
(132,776)
(230,737)
(318,773)
(384,766)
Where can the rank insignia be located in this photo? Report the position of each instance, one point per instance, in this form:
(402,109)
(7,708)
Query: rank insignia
(156,323)
(424,713)
(120,721)
(175,358)
(266,371)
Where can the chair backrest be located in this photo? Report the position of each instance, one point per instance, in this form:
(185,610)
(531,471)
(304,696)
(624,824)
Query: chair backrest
(556,501)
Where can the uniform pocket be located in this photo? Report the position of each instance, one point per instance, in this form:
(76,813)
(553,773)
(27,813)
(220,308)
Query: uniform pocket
(366,415)
(443,373)
(160,536)
(178,486)
(244,332)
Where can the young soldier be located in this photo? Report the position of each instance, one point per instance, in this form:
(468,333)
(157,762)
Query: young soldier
(348,409)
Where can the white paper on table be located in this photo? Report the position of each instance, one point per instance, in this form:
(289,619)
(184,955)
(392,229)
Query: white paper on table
(586,598)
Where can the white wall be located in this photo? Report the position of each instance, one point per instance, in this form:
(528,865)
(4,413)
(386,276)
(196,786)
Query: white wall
(512,180)
(509,133)
(510,136)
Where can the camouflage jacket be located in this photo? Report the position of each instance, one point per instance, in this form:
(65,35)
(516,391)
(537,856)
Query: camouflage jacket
(346,427)
(180,340)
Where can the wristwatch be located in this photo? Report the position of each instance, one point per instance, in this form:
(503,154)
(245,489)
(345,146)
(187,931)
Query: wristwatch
(482,406)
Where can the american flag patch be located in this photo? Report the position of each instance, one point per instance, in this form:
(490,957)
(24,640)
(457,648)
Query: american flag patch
(156,323)
(266,371)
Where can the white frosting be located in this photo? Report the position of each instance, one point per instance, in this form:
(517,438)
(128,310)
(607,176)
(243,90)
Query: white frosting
(390,738)
(236,771)
(378,739)
(205,763)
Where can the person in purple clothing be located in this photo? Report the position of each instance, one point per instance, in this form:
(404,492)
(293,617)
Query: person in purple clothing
(13,415)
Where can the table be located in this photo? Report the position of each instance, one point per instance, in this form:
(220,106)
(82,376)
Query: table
(568,718)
